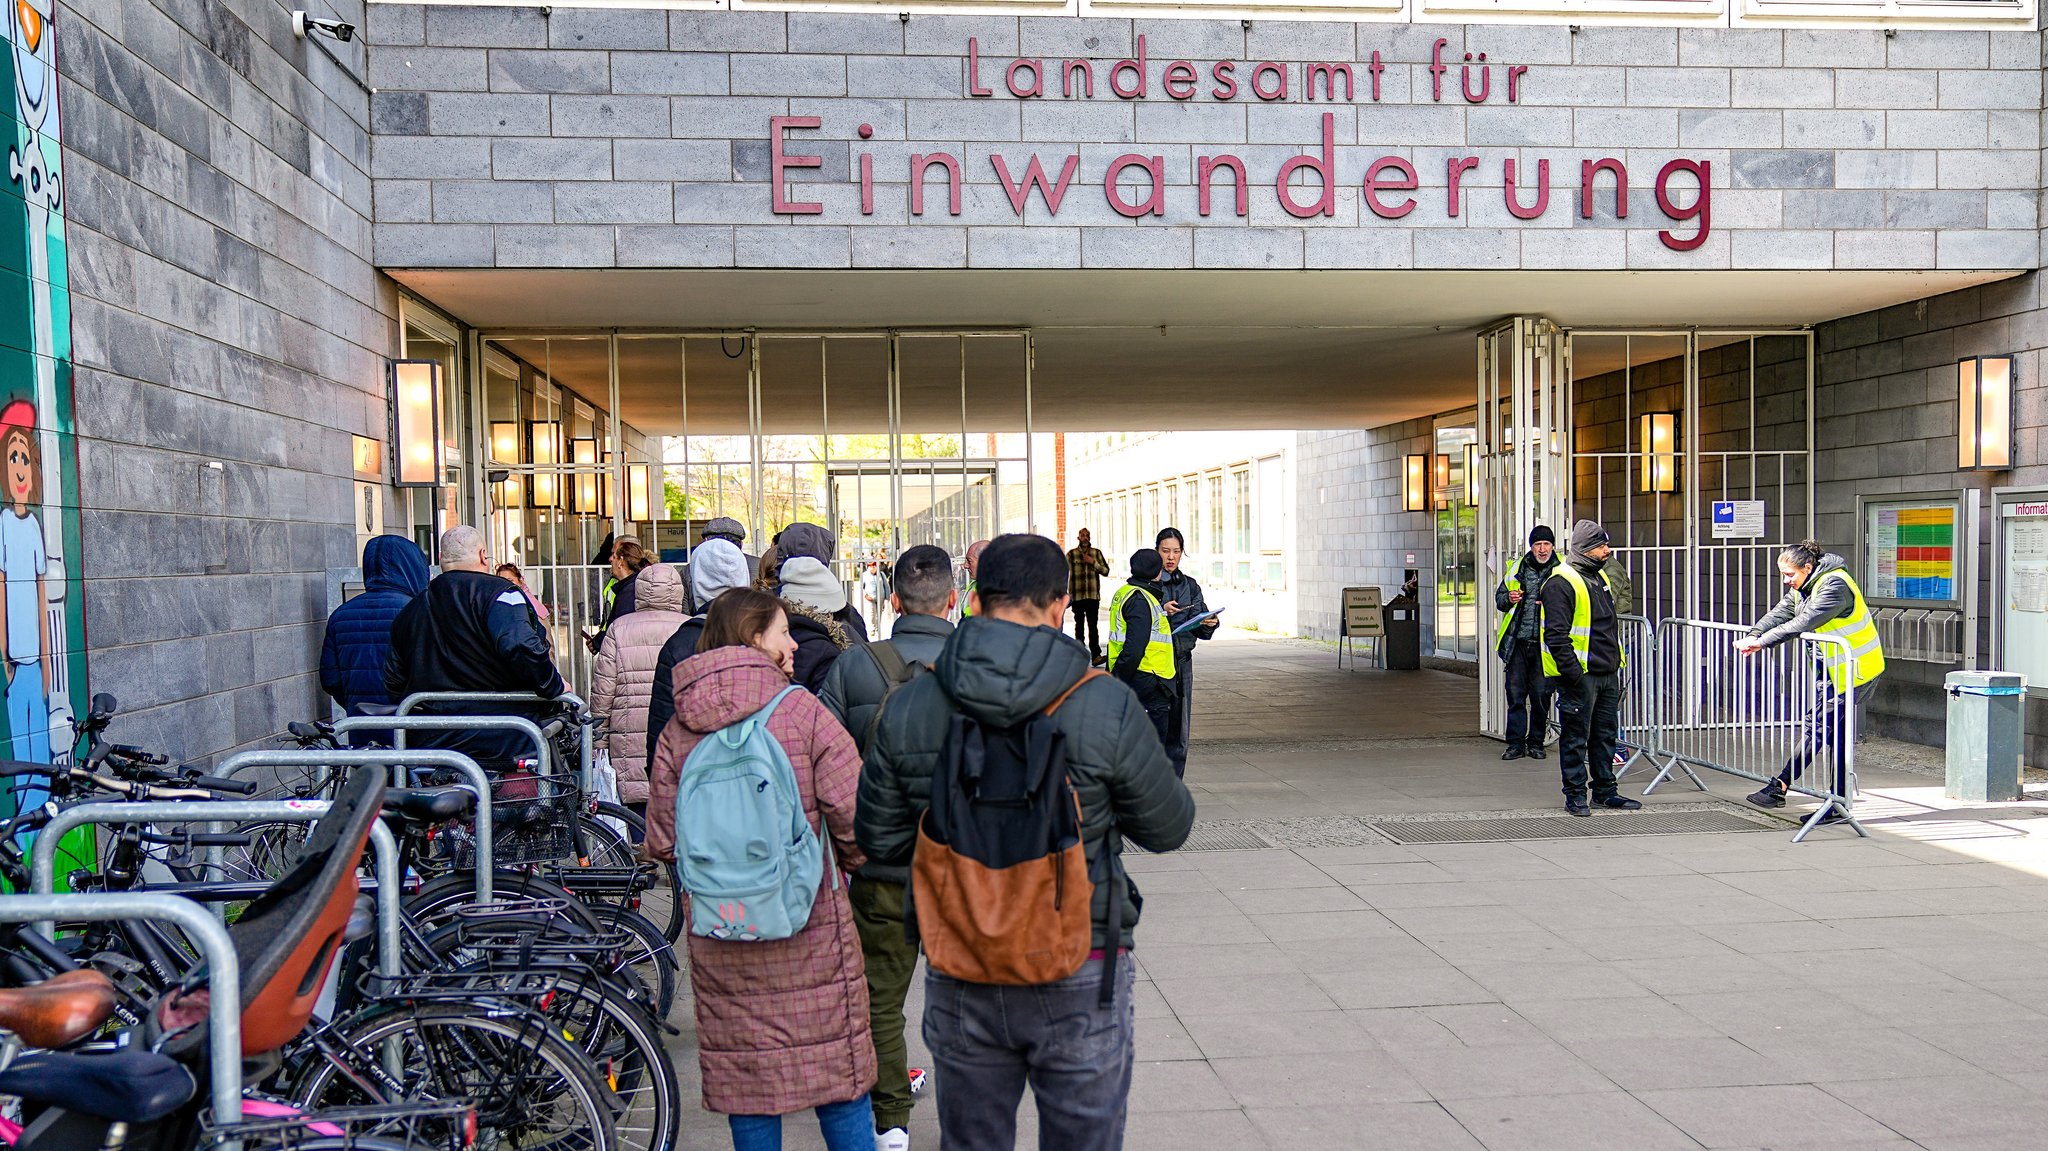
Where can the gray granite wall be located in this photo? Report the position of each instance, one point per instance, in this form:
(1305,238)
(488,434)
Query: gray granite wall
(229,334)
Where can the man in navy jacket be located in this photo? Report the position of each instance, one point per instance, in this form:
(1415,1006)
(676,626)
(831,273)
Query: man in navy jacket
(358,640)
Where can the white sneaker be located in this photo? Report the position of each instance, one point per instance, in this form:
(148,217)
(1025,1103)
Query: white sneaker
(894,1139)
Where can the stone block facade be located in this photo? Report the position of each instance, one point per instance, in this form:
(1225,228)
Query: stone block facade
(1825,148)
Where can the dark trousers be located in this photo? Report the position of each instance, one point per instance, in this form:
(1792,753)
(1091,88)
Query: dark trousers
(891,960)
(1176,739)
(1589,722)
(1086,614)
(1161,704)
(1528,694)
(989,1041)
(1827,726)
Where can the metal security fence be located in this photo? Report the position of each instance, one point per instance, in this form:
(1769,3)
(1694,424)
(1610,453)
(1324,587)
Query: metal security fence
(1638,641)
(1707,705)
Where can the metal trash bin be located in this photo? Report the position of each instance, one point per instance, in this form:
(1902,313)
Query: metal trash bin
(1402,622)
(1986,730)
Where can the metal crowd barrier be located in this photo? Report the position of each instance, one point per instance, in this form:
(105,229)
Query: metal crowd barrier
(1638,724)
(1712,707)
(584,738)
(224,970)
(384,847)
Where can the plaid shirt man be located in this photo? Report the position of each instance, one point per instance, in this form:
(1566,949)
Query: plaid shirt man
(1085,568)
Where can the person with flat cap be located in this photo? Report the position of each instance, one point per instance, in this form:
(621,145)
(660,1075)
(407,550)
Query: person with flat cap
(1519,643)
(1582,660)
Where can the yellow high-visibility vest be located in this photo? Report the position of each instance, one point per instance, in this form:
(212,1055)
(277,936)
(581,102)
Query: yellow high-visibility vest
(1866,652)
(967,601)
(1158,657)
(1582,619)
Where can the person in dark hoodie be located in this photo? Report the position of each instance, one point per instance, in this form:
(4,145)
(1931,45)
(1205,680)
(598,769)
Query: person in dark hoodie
(1182,598)
(1582,658)
(1005,664)
(358,639)
(823,623)
(1820,596)
(471,631)
(1141,644)
(1519,643)
(805,539)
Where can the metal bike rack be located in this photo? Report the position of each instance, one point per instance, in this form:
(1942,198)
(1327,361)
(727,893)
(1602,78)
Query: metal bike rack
(473,778)
(583,739)
(43,856)
(398,725)
(224,1011)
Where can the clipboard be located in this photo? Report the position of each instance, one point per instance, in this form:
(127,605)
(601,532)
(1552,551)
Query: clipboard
(1196,622)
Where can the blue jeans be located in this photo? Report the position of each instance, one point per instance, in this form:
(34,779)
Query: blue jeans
(988,1041)
(28,714)
(848,1126)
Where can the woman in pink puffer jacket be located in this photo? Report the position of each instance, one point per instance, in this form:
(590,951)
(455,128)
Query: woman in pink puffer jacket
(622,681)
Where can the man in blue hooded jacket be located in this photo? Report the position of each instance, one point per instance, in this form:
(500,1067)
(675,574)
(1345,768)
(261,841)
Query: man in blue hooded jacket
(358,637)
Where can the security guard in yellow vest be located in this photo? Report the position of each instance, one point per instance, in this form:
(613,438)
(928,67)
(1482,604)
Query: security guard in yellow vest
(1582,661)
(1519,644)
(1141,641)
(1820,596)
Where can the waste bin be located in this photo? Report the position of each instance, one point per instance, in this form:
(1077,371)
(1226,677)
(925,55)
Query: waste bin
(1403,640)
(1985,729)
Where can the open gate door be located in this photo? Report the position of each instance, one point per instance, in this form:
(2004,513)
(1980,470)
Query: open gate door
(1525,468)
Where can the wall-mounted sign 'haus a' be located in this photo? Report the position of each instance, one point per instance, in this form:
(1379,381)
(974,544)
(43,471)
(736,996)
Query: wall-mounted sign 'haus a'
(1304,185)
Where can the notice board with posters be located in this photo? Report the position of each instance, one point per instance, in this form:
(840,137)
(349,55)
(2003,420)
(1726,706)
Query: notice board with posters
(2020,586)
(1908,553)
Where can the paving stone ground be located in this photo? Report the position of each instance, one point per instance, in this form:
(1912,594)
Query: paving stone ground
(1636,993)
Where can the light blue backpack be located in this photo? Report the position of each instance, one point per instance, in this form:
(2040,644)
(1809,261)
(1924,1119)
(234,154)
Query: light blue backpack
(747,855)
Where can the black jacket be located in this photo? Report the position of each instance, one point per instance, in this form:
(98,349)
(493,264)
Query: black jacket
(1603,650)
(819,640)
(1529,578)
(1000,673)
(1179,585)
(471,632)
(1137,633)
(855,686)
(661,706)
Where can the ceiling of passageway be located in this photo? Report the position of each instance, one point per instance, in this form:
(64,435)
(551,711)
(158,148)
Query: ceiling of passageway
(1192,350)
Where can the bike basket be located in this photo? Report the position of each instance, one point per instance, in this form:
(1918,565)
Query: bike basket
(532,821)
(447,1126)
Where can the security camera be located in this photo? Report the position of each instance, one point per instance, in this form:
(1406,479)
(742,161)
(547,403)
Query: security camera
(340,30)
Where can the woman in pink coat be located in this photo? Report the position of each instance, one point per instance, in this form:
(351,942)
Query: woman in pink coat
(622,680)
(782,1025)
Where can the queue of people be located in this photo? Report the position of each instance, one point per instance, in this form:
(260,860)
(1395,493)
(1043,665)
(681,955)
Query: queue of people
(800,1001)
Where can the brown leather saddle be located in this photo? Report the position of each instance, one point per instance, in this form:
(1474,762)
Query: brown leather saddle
(58,1011)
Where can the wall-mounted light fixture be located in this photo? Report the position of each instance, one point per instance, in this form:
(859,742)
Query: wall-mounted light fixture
(544,447)
(416,422)
(1472,474)
(1984,413)
(1415,483)
(587,482)
(642,480)
(1659,449)
(1443,474)
(505,441)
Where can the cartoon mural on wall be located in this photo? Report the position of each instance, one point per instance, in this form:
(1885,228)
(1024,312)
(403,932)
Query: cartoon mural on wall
(42,616)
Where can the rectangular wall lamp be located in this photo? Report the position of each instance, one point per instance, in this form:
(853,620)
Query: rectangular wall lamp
(1984,391)
(642,480)
(1415,484)
(505,441)
(1472,474)
(416,422)
(544,447)
(587,483)
(1659,450)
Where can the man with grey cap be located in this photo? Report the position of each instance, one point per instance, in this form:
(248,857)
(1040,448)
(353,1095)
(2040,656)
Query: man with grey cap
(716,567)
(1582,659)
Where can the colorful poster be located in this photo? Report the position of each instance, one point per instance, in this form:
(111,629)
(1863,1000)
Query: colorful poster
(42,613)
(1912,551)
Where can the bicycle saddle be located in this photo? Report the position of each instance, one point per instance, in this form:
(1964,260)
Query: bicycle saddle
(130,1086)
(430,804)
(58,1011)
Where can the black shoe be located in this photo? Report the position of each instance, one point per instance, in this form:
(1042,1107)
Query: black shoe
(1833,815)
(1536,752)
(1577,807)
(1512,752)
(1769,795)
(1098,661)
(1621,803)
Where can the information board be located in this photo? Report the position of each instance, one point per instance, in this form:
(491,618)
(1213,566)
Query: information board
(1909,549)
(2023,587)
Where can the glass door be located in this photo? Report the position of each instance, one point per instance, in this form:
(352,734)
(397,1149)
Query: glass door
(1457,539)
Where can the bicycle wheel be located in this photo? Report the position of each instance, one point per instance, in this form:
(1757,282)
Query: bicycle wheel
(653,961)
(440,899)
(532,1089)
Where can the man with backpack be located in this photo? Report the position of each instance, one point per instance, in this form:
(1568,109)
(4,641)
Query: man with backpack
(855,689)
(1015,752)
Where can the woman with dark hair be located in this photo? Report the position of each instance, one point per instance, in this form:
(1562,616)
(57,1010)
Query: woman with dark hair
(628,560)
(782,1025)
(1181,595)
(1820,596)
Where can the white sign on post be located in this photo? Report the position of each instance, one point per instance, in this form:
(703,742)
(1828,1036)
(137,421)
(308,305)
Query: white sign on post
(1738,519)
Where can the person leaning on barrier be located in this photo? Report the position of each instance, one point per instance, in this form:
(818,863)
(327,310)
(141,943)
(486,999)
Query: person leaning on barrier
(1583,659)
(1519,643)
(1820,596)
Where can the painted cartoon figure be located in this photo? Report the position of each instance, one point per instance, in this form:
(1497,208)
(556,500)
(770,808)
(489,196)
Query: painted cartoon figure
(25,603)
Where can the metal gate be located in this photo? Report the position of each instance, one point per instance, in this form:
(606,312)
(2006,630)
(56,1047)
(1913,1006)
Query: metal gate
(1645,431)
